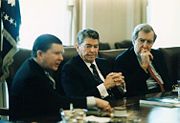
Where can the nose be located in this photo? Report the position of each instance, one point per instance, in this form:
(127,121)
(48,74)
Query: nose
(93,48)
(61,57)
(145,43)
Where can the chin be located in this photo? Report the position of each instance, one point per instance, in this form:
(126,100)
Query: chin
(91,60)
(88,61)
(54,69)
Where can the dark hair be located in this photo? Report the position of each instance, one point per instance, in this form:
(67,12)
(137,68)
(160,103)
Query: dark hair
(87,33)
(142,27)
(44,42)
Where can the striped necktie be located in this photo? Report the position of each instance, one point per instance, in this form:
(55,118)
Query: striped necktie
(156,78)
(51,78)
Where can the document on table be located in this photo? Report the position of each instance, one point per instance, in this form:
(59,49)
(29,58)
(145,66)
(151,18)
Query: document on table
(166,102)
(93,118)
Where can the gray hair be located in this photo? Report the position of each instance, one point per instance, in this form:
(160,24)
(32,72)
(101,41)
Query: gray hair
(142,27)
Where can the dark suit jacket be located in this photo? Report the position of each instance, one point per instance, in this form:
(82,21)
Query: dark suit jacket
(77,79)
(32,94)
(135,76)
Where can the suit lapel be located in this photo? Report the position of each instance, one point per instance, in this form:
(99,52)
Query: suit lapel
(85,72)
(103,67)
(134,60)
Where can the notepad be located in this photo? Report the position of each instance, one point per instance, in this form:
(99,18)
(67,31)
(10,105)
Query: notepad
(161,101)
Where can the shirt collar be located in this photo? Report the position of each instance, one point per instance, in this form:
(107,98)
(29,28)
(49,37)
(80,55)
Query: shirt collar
(89,64)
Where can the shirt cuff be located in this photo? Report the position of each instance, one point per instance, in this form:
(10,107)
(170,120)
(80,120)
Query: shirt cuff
(91,101)
(102,90)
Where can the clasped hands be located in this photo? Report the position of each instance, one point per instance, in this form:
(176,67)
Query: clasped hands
(114,79)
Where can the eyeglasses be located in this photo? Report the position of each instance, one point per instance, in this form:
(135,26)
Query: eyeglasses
(142,41)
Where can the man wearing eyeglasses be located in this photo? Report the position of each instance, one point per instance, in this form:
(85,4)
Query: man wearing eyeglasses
(144,68)
(87,75)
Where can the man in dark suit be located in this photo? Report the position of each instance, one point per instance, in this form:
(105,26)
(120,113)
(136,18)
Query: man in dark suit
(33,93)
(137,61)
(78,77)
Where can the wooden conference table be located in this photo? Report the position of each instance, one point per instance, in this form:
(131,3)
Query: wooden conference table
(149,114)
(138,113)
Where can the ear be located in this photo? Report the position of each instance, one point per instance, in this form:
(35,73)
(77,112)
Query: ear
(76,46)
(39,53)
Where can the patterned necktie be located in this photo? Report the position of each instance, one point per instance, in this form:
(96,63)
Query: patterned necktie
(156,78)
(52,80)
(95,73)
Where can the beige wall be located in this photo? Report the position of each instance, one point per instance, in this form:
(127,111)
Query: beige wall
(113,19)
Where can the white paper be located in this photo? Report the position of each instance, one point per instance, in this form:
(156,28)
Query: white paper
(93,118)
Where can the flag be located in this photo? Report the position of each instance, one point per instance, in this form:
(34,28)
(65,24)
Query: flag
(10,24)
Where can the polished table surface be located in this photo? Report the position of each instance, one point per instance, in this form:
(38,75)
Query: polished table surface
(138,113)
(149,114)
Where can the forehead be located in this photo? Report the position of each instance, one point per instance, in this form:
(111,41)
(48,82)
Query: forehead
(146,35)
(56,47)
(90,41)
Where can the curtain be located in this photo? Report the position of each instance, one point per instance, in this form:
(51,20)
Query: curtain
(75,6)
(137,11)
(113,19)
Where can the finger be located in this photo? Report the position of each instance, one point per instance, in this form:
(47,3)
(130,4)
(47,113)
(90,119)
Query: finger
(110,74)
(119,79)
(121,83)
(117,75)
(108,108)
(150,56)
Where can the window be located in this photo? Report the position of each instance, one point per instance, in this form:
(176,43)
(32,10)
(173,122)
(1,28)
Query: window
(162,15)
(44,16)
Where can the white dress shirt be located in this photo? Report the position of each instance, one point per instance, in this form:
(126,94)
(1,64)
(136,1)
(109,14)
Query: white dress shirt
(102,89)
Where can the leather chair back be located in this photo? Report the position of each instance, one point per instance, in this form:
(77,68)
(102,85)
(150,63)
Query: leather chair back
(172,61)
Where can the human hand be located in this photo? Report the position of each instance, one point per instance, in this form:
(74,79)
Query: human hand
(114,79)
(146,58)
(104,105)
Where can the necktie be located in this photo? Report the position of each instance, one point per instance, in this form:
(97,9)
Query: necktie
(97,77)
(95,73)
(156,78)
(52,80)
